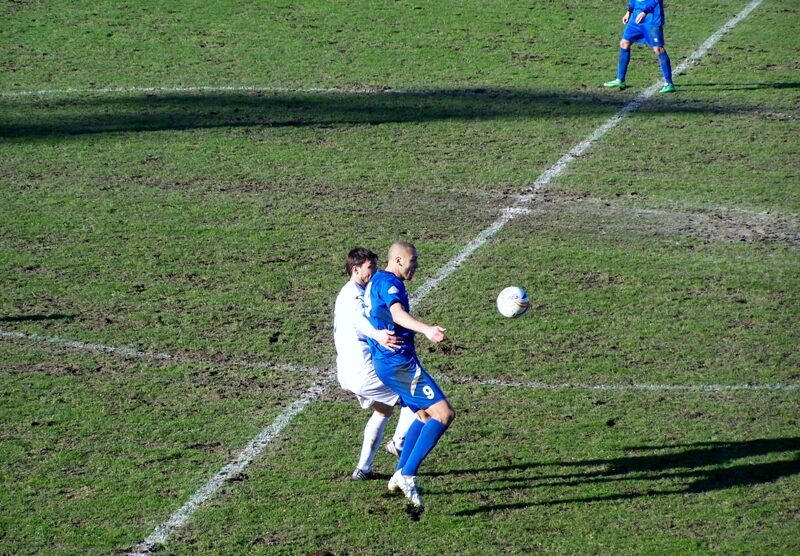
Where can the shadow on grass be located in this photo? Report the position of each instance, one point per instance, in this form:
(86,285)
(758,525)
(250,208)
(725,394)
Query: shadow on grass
(699,467)
(742,86)
(41,117)
(34,318)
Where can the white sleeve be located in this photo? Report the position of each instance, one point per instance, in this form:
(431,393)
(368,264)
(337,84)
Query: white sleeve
(361,322)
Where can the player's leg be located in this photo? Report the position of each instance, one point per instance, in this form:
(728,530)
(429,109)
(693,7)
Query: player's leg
(412,435)
(372,393)
(623,58)
(666,69)
(422,438)
(418,391)
(373,435)
(437,415)
(441,416)
(404,421)
(397,480)
(397,374)
(655,40)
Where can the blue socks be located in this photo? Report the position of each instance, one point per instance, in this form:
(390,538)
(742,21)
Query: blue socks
(408,444)
(663,62)
(666,66)
(622,64)
(429,435)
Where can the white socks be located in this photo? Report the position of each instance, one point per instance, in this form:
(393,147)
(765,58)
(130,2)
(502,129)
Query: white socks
(373,434)
(403,422)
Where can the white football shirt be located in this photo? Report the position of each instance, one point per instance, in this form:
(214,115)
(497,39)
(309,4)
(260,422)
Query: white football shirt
(350,331)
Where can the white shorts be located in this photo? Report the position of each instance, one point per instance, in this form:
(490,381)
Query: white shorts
(368,389)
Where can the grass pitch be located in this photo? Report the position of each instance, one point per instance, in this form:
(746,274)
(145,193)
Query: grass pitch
(207,222)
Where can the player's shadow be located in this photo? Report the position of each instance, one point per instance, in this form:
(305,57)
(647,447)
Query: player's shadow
(25,118)
(699,467)
(742,86)
(34,318)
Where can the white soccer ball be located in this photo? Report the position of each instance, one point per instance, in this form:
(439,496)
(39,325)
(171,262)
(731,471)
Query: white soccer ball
(513,302)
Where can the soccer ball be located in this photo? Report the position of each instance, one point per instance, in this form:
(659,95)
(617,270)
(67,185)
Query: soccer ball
(513,302)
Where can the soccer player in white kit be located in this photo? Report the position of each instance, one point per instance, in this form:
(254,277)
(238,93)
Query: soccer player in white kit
(354,367)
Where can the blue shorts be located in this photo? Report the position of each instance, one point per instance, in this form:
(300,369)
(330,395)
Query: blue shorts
(405,375)
(652,35)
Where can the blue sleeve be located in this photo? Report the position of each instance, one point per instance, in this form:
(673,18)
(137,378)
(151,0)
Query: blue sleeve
(376,312)
(384,291)
(395,293)
(383,302)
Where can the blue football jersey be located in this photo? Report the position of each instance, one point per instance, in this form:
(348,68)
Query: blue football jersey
(653,8)
(384,290)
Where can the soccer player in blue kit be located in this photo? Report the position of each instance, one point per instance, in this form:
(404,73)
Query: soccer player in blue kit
(644,23)
(354,367)
(399,368)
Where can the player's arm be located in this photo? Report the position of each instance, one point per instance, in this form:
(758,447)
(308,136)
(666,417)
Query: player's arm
(386,338)
(401,317)
(627,16)
(648,8)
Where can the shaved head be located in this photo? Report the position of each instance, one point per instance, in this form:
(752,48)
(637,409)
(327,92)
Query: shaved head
(402,260)
(400,248)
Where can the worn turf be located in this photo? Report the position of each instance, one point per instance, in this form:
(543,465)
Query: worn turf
(206,220)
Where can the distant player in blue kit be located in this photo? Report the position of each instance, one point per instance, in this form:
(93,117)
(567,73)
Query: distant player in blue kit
(644,23)
(399,368)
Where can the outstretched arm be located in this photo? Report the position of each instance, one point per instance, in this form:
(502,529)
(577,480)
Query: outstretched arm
(402,317)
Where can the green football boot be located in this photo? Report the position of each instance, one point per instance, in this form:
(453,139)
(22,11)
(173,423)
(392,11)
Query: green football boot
(668,88)
(616,84)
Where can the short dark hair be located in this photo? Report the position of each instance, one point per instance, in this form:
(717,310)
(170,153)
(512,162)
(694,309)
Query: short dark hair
(356,257)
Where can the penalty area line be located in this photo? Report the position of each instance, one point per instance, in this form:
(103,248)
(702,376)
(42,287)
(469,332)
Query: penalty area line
(326,373)
(132,353)
(76,91)
(632,387)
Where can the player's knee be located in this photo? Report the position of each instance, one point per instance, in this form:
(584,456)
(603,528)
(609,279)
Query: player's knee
(382,409)
(447,415)
(625,45)
(442,412)
(659,50)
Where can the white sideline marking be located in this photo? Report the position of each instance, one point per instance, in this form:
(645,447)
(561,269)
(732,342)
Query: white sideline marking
(431,283)
(220,89)
(126,352)
(628,387)
(137,354)
(178,519)
(528,385)
(167,90)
